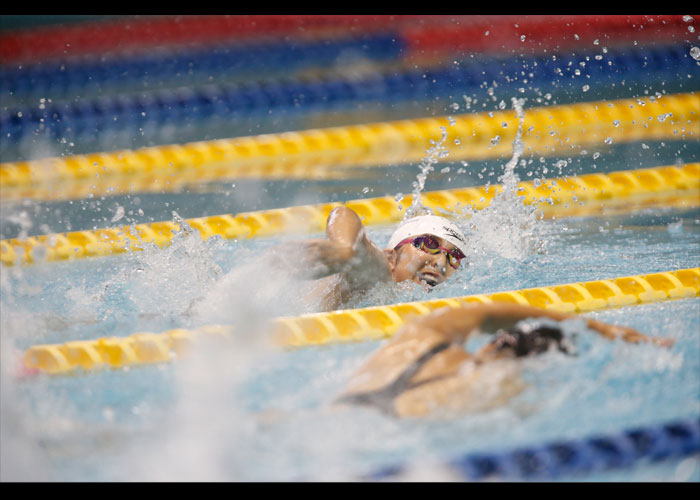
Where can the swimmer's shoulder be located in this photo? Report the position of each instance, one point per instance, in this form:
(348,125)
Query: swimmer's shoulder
(475,388)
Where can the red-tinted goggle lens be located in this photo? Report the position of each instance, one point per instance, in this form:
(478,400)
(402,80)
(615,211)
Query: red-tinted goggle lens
(431,245)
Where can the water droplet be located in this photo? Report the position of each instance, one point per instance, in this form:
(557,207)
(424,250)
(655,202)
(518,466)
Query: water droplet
(108,414)
(496,140)
(687,18)
(119,213)
(608,140)
(522,38)
(365,190)
(695,53)
(586,88)
(616,123)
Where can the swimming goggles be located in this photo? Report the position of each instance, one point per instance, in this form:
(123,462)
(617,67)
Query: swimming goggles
(429,244)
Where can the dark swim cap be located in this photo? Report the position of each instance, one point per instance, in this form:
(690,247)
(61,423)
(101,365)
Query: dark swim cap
(524,340)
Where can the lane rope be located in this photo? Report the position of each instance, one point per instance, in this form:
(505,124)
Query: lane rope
(353,325)
(433,35)
(546,131)
(214,104)
(571,457)
(576,196)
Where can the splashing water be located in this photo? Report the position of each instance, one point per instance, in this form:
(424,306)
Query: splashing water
(507,227)
(695,53)
(165,282)
(437,152)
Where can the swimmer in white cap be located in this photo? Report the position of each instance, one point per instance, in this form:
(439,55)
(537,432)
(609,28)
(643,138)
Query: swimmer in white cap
(425,249)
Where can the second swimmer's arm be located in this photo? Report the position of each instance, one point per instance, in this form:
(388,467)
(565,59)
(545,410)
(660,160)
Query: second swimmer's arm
(454,326)
(458,323)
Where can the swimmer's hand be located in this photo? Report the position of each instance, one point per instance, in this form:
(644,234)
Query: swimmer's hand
(633,336)
(345,246)
(319,258)
(629,334)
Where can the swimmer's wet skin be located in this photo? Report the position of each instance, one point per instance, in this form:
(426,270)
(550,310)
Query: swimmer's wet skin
(421,370)
(425,249)
(431,235)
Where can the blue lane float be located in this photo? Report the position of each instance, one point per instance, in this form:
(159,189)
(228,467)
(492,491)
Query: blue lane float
(173,68)
(571,458)
(558,74)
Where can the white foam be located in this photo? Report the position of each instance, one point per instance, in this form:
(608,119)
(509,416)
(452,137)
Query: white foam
(507,227)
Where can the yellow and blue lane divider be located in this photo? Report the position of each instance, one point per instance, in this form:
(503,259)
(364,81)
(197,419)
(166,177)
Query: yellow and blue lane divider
(547,130)
(354,325)
(209,96)
(567,458)
(677,186)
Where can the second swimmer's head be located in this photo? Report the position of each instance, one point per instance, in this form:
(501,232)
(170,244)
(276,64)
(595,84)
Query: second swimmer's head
(532,339)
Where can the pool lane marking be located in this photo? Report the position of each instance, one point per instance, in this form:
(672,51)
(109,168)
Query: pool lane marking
(546,131)
(584,195)
(350,325)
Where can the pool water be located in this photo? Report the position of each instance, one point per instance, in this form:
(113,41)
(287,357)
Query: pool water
(246,411)
(241,409)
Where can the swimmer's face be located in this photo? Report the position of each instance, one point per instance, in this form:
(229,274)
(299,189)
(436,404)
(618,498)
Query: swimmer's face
(411,263)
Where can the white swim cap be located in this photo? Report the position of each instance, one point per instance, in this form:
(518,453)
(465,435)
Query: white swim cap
(429,224)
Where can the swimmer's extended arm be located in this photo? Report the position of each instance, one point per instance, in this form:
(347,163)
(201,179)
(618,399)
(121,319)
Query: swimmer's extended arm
(346,249)
(413,341)
(453,326)
(458,323)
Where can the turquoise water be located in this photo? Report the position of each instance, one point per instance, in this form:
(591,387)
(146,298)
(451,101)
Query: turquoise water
(248,412)
(156,289)
(241,410)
